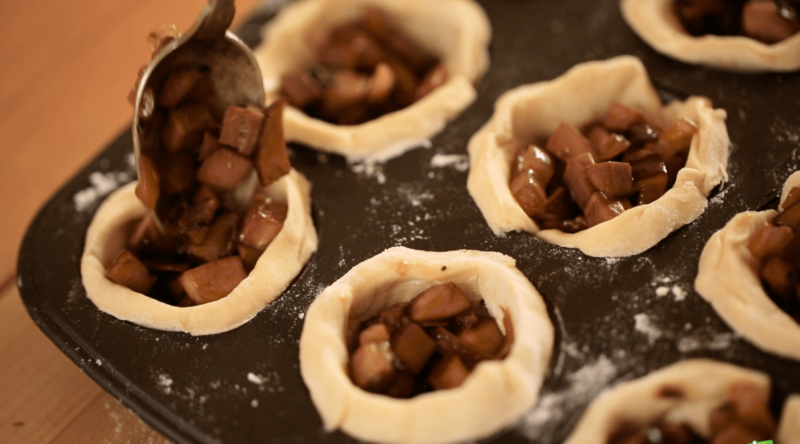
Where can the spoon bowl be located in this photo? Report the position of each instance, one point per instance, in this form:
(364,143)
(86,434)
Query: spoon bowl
(209,48)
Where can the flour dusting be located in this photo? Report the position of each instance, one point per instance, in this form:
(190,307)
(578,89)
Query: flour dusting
(256,379)
(644,325)
(680,293)
(784,132)
(718,341)
(165,383)
(414,197)
(269,382)
(102,184)
(369,169)
(458,161)
(721,195)
(552,408)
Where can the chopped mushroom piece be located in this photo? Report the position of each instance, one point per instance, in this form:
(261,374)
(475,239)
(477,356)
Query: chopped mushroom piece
(214,280)
(272,161)
(372,366)
(241,128)
(761,20)
(149,185)
(185,173)
(224,169)
(448,373)
(431,342)
(578,181)
(413,347)
(438,302)
(362,70)
(129,271)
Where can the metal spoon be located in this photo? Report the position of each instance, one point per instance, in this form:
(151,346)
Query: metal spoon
(209,47)
(786,10)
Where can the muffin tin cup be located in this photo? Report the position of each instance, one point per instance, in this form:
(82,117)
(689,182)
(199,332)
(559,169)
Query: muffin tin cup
(615,319)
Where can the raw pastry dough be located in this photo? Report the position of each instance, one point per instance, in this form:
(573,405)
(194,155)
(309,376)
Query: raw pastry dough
(582,95)
(656,23)
(726,278)
(705,385)
(457,31)
(789,428)
(495,394)
(274,271)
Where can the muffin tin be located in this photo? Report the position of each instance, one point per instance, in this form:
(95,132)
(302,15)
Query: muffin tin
(616,319)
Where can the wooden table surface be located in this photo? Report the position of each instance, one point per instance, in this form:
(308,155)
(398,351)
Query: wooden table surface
(67,70)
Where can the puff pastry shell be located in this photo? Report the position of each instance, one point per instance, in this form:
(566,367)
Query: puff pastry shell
(726,278)
(705,386)
(656,23)
(274,271)
(582,95)
(494,395)
(457,31)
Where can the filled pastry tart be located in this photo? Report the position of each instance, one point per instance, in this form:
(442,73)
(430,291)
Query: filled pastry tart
(413,346)
(372,78)
(693,401)
(754,35)
(748,272)
(593,160)
(217,226)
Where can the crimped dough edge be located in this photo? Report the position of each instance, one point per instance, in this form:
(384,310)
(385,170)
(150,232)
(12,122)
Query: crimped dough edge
(726,279)
(656,23)
(280,263)
(705,384)
(496,393)
(457,31)
(581,96)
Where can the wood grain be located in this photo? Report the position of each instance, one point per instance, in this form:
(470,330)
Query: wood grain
(68,67)
(46,398)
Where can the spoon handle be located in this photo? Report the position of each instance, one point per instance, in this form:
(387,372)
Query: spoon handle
(213,20)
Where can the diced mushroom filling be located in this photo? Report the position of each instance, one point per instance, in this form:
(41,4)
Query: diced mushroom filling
(767,21)
(204,248)
(578,180)
(776,249)
(364,70)
(430,343)
(744,418)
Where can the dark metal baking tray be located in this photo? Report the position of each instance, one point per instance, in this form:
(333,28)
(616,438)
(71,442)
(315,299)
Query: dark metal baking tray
(202,389)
